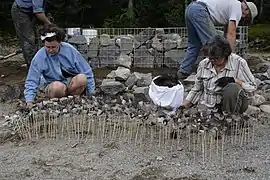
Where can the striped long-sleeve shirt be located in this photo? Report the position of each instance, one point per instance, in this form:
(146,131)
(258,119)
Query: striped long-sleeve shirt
(207,92)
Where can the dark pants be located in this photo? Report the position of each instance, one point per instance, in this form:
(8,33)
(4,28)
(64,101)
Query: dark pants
(234,99)
(25,29)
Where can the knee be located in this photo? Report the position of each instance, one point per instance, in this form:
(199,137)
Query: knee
(57,89)
(232,87)
(81,79)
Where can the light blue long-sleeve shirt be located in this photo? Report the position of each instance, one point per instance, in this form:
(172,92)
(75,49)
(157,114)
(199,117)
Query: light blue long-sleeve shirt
(49,66)
(35,6)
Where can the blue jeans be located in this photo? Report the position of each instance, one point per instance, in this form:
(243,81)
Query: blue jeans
(200,29)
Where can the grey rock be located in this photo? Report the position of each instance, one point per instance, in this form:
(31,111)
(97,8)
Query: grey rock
(143,79)
(169,44)
(174,57)
(257,100)
(148,44)
(112,87)
(258,82)
(265,108)
(111,75)
(83,48)
(158,58)
(132,80)
(125,44)
(157,44)
(94,62)
(108,55)
(77,40)
(159,32)
(124,60)
(175,37)
(93,47)
(143,58)
(105,40)
(267,81)
(261,67)
(122,73)
(145,35)
(251,110)
(141,93)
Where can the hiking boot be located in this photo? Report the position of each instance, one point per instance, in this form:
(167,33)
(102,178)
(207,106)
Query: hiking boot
(181,75)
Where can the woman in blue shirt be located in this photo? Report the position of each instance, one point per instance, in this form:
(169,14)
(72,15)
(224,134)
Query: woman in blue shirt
(64,69)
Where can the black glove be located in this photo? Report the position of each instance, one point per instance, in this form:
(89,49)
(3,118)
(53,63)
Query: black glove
(222,82)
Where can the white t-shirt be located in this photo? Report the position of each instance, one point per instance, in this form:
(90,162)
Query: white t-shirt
(223,11)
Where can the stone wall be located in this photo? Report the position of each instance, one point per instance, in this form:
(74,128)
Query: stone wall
(148,49)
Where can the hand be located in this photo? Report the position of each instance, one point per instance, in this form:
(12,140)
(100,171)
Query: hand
(222,82)
(29,105)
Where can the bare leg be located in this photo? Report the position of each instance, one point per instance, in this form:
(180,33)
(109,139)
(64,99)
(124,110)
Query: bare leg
(56,89)
(77,85)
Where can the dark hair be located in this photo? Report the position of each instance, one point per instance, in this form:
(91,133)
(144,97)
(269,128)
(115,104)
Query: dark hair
(219,47)
(52,28)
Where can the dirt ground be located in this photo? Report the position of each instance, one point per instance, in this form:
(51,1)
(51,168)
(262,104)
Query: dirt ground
(68,159)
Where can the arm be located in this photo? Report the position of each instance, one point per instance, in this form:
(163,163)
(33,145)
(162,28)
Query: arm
(32,82)
(195,93)
(43,18)
(245,78)
(38,9)
(231,34)
(235,14)
(83,67)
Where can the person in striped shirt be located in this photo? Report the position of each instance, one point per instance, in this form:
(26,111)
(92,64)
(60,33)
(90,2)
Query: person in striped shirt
(223,80)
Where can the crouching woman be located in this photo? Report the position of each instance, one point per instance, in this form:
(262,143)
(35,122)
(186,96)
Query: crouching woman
(223,80)
(64,69)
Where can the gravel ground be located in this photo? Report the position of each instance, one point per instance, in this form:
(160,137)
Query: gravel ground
(70,159)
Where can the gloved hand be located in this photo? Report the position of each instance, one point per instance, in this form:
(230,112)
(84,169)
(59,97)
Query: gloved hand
(222,82)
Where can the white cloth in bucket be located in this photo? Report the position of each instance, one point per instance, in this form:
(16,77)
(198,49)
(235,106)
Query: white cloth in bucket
(166,97)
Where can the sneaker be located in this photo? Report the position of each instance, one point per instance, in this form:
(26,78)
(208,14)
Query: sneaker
(181,75)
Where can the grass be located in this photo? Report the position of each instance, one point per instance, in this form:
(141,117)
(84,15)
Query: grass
(260,31)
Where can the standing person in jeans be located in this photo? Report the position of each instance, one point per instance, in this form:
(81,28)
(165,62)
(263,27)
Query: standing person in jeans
(24,15)
(201,16)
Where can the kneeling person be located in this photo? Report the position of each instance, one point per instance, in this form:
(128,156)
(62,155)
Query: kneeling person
(64,69)
(223,80)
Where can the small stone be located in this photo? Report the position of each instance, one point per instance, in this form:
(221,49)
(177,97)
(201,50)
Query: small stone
(180,149)
(63,99)
(258,100)
(2,76)
(99,112)
(174,156)
(159,158)
(65,110)
(265,108)
(252,110)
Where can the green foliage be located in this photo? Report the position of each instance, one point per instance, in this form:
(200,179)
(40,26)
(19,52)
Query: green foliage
(259,31)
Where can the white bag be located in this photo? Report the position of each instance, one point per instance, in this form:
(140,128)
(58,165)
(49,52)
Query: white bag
(166,97)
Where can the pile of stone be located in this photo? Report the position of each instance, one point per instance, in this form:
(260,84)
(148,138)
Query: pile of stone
(261,71)
(150,48)
(122,80)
